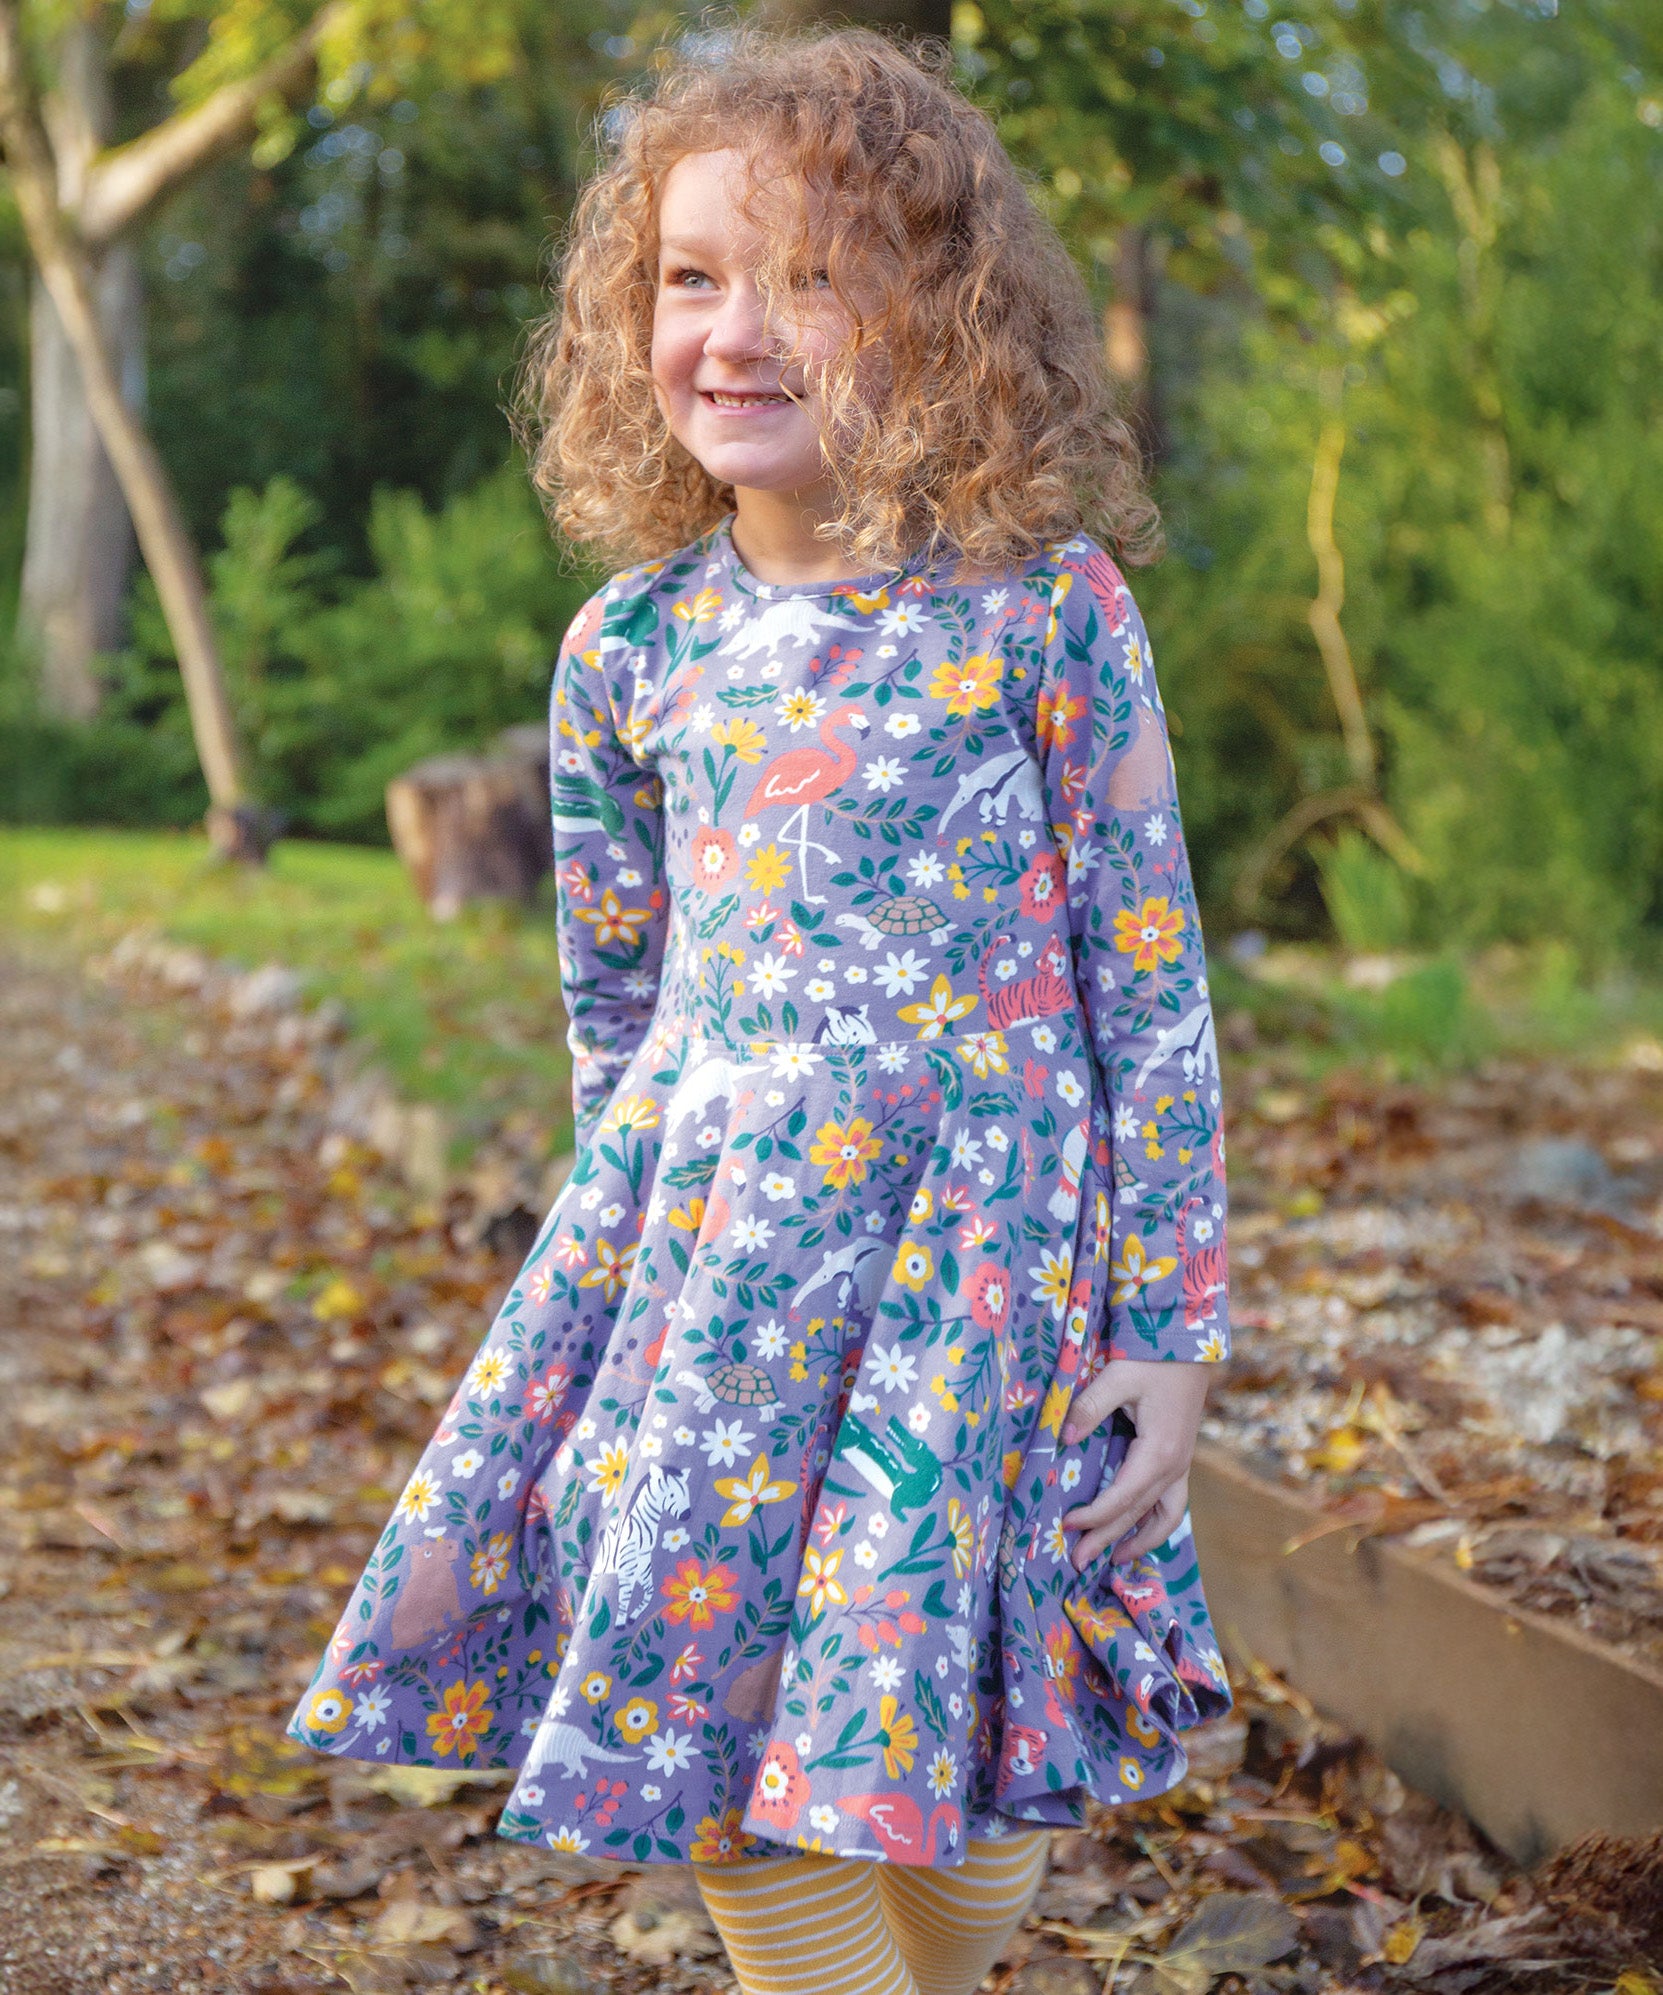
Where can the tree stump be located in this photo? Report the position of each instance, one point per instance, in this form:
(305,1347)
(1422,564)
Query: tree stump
(475,827)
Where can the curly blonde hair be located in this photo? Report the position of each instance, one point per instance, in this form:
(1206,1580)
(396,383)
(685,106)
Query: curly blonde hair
(997,432)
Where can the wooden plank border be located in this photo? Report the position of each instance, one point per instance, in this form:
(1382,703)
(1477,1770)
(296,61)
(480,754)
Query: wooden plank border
(1530,1728)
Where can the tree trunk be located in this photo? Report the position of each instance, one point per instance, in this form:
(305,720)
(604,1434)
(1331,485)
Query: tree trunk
(78,552)
(169,553)
(1126,323)
(79,546)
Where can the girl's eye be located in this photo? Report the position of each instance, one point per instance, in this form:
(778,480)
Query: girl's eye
(678,278)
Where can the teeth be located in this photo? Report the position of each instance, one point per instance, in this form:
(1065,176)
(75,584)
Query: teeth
(741,401)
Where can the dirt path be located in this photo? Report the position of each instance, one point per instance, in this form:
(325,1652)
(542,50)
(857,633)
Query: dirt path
(224,1335)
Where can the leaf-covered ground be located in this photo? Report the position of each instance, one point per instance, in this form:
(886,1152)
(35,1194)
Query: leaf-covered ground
(225,1332)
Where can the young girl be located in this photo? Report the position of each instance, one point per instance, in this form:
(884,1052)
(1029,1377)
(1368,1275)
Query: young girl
(780,1520)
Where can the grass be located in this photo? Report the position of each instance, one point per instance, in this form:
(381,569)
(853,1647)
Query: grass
(1418,1016)
(464,1014)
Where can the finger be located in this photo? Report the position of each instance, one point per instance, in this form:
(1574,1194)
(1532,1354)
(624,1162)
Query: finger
(1162,1521)
(1093,1404)
(1120,1539)
(1091,1543)
(1117,1509)
(1149,1467)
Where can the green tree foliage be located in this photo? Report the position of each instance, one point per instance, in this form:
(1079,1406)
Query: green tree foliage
(340,682)
(347,311)
(1232,133)
(1501,513)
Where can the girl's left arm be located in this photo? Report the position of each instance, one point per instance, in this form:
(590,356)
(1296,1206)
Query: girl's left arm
(1140,966)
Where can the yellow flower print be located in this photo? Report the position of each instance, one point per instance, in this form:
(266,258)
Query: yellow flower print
(1059,595)
(1134,1271)
(611,1269)
(701,609)
(820,1582)
(800,709)
(1150,937)
(934,1014)
(595,1686)
(923,1204)
(720,1841)
(1010,1467)
(984,1054)
(1052,1277)
(744,737)
(748,1492)
(637,1719)
(613,922)
(689,1218)
(767,870)
(421,1492)
(466,1715)
(632,1111)
(328,1711)
(898,1736)
(1131,1774)
(843,1151)
(914,1265)
(1058,1399)
(489,1567)
(1212,1351)
(968,688)
(607,1473)
(488,1371)
(963,1535)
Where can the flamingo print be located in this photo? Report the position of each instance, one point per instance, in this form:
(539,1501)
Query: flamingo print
(804,776)
(900,1824)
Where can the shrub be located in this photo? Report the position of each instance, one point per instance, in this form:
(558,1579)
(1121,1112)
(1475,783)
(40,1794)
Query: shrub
(338,683)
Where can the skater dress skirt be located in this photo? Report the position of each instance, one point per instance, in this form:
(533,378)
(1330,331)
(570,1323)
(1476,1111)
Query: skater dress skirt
(897,1116)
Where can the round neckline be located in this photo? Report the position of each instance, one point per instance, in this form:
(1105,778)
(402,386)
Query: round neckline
(858,585)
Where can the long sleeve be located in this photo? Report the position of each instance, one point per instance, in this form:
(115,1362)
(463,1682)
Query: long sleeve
(612,904)
(1112,800)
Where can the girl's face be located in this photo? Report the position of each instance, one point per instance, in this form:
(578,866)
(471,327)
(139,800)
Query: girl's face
(717,378)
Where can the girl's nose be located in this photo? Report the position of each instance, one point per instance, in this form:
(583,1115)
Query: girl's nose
(736,331)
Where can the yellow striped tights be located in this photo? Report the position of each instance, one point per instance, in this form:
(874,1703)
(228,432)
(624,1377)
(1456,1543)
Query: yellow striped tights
(823,1925)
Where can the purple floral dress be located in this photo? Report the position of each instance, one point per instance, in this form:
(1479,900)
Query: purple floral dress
(897,1116)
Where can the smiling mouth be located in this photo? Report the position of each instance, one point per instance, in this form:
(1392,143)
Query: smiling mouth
(719,398)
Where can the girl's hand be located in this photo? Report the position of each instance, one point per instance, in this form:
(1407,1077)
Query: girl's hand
(1151,1488)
